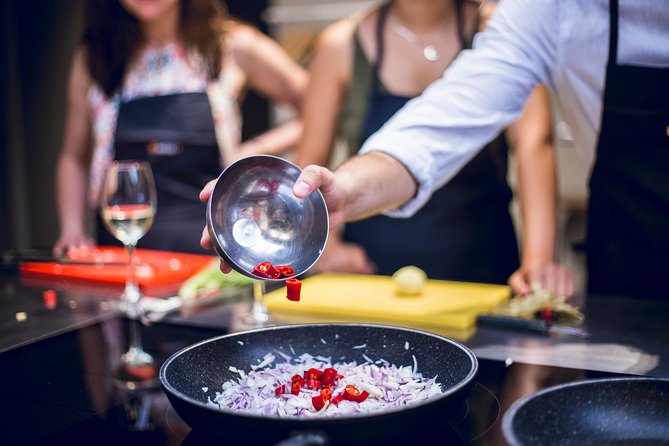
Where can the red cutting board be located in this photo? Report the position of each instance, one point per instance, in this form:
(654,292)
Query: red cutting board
(108,265)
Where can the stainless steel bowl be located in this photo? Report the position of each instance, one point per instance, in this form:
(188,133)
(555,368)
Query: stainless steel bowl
(253,216)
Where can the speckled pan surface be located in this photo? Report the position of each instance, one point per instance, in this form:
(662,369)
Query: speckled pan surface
(611,411)
(206,366)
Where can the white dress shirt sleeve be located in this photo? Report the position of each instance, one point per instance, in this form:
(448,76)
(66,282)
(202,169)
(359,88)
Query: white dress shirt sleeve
(485,89)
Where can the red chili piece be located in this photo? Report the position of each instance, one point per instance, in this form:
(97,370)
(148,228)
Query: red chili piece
(268,271)
(546,315)
(296,384)
(337,399)
(326,393)
(329,376)
(50,299)
(351,393)
(293,287)
(286,271)
(280,390)
(318,402)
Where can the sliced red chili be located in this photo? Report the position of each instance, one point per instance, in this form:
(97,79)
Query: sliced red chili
(326,393)
(313,384)
(546,315)
(318,402)
(280,390)
(363,396)
(266,270)
(351,393)
(313,373)
(329,376)
(293,287)
(337,399)
(296,384)
(286,271)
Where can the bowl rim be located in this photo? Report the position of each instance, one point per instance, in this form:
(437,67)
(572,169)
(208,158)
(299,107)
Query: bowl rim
(221,251)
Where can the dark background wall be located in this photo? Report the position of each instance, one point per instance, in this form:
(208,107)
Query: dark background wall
(37,39)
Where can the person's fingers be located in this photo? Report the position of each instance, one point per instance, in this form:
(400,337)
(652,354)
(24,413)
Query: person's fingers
(224,267)
(205,193)
(518,283)
(566,283)
(205,240)
(309,180)
(550,277)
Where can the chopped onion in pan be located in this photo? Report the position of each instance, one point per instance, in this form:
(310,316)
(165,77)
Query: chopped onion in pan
(389,386)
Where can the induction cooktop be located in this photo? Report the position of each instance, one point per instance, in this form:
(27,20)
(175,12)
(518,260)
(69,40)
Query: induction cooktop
(66,389)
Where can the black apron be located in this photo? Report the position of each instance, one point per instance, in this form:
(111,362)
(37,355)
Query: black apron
(628,211)
(464,232)
(175,134)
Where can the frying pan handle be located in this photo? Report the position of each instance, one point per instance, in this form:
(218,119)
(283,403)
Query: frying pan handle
(305,438)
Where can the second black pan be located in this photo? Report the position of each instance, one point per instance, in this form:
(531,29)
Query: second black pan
(630,411)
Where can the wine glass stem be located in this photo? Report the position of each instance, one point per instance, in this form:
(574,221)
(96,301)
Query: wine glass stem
(259,309)
(135,339)
(131,293)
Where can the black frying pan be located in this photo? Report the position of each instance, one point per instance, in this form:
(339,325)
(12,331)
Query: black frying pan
(205,365)
(615,411)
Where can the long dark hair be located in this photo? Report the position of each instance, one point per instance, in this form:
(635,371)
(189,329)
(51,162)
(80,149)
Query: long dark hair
(112,37)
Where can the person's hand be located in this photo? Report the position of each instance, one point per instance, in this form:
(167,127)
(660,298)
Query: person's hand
(205,240)
(551,276)
(71,242)
(315,177)
(343,257)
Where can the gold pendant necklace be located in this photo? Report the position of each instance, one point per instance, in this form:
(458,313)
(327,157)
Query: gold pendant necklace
(430,51)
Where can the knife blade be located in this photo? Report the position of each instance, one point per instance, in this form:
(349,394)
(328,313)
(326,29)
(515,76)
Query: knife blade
(532,325)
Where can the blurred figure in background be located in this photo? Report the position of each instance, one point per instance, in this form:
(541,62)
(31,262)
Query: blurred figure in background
(364,69)
(162,81)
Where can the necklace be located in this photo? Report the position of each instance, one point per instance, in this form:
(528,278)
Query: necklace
(430,51)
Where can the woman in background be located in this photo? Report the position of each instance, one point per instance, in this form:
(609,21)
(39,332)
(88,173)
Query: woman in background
(162,81)
(367,67)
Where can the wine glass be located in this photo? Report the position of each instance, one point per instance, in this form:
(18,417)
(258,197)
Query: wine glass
(258,316)
(127,207)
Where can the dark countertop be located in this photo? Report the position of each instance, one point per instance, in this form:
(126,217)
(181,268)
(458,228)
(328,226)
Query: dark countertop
(627,335)
(58,364)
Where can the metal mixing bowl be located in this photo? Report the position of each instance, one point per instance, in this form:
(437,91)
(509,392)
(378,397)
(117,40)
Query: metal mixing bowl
(253,216)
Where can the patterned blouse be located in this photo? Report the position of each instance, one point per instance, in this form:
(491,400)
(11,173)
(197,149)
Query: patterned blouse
(161,71)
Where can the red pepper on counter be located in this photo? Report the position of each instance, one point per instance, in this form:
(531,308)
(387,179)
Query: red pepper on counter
(546,315)
(293,287)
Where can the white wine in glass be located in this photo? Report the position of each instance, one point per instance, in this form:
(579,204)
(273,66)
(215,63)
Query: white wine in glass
(127,207)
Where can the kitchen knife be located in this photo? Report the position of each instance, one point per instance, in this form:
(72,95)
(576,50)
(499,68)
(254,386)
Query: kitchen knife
(532,325)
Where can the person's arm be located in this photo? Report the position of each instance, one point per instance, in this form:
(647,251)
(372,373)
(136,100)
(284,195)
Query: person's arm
(348,194)
(329,79)
(482,92)
(273,74)
(531,139)
(72,167)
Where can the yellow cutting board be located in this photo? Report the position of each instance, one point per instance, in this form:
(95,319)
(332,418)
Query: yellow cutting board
(370,297)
